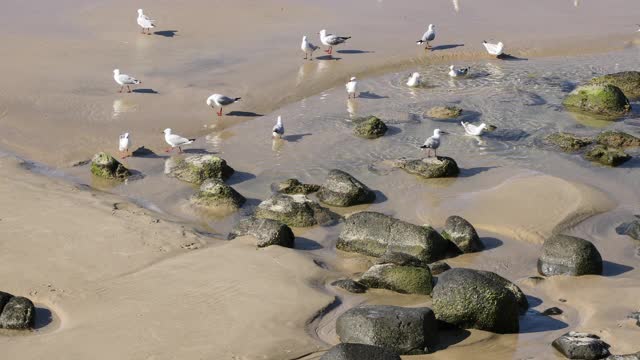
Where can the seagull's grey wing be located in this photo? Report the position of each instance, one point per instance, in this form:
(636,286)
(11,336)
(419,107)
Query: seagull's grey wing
(225,100)
(430,35)
(177,140)
(432,143)
(336,40)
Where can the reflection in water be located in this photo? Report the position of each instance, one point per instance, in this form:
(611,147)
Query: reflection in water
(122,106)
(352,108)
(456,5)
(304,71)
(277,144)
(170,164)
(576,3)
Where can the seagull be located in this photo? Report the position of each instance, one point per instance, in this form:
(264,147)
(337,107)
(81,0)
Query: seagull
(494,49)
(124,144)
(414,80)
(351,87)
(473,130)
(453,72)
(217,100)
(175,140)
(124,80)
(145,23)
(331,40)
(430,35)
(278,129)
(433,142)
(308,48)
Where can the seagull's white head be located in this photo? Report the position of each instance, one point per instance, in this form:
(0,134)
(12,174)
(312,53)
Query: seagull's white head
(125,135)
(279,119)
(500,44)
(139,11)
(353,78)
(451,67)
(415,75)
(304,38)
(431,26)
(167,131)
(116,71)
(436,133)
(482,126)
(323,32)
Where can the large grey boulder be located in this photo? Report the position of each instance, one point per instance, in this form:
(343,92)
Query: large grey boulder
(106,166)
(18,313)
(215,194)
(476,299)
(402,279)
(342,189)
(429,167)
(198,168)
(350,351)
(462,234)
(406,331)
(568,255)
(268,232)
(372,234)
(294,210)
(369,127)
(576,345)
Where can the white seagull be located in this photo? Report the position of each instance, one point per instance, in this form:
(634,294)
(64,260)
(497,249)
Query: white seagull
(429,35)
(308,48)
(473,130)
(414,80)
(124,80)
(145,23)
(453,72)
(175,140)
(217,100)
(331,40)
(433,142)
(494,49)
(278,129)
(124,144)
(351,87)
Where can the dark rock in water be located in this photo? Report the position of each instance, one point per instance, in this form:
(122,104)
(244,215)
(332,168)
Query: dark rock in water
(198,168)
(575,345)
(349,285)
(359,352)
(402,259)
(552,311)
(4,299)
(369,128)
(407,331)
(444,112)
(635,316)
(402,279)
(106,166)
(430,167)
(617,139)
(631,229)
(635,356)
(491,128)
(81,163)
(521,298)
(142,152)
(216,194)
(19,314)
(294,210)
(627,81)
(607,156)
(342,189)
(438,267)
(268,232)
(372,234)
(568,142)
(568,255)
(605,100)
(476,299)
(294,186)
(460,232)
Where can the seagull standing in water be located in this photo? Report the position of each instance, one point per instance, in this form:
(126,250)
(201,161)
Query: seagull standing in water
(494,49)
(433,142)
(308,48)
(331,40)
(124,80)
(414,80)
(145,23)
(473,130)
(351,87)
(175,140)
(124,144)
(453,72)
(429,35)
(217,100)
(278,129)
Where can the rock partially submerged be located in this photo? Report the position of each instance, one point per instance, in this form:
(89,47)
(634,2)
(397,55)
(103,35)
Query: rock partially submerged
(627,81)
(106,166)
(407,331)
(294,186)
(605,100)
(444,112)
(342,189)
(568,142)
(215,194)
(268,232)
(569,255)
(402,279)
(438,267)
(369,128)
(576,345)
(351,351)
(635,356)
(631,229)
(17,312)
(198,168)
(461,233)
(294,210)
(607,156)
(617,139)
(430,167)
(349,285)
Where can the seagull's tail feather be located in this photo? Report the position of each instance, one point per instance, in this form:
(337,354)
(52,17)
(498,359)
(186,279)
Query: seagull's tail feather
(192,140)
(423,147)
(345,38)
(237,99)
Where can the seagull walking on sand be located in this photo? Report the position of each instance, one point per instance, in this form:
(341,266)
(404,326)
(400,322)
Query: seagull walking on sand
(414,80)
(429,35)
(217,100)
(453,72)
(124,144)
(278,129)
(175,140)
(351,87)
(308,48)
(473,130)
(433,142)
(331,40)
(145,23)
(124,80)
(494,49)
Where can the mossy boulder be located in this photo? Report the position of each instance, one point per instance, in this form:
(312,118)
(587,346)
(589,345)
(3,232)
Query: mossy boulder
(369,127)
(359,352)
(476,299)
(294,210)
(342,189)
(575,345)
(294,186)
(568,142)
(196,169)
(627,81)
(106,166)
(215,194)
(444,112)
(402,279)
(569,255)
(605,100)
(17,314)
(462,234)
(399,258)
(350,285)
(430,167)
(617,139)
(268,232)
(607,156)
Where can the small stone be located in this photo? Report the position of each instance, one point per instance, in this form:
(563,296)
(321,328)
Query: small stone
(462,234)
(617,139)
(605,100)
(607,156)
(631,229)
(268,232)
(568,255)
(399,258)
(402,279)
(215,194)
(196,169)
(575,345)
(342,189)
(294,186)
(552,311)
(627,81)
(562,300)
(635,316)
(349,285)
(568,142)
(294,210)
(18,313)
(444,112)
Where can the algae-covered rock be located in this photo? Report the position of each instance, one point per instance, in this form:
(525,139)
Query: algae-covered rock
(342,189)
(402,279)
(18,314)
(617,139)
(569,255)
(431,167)
(215,194)
(106,166)
(268,232)
(350,285)
(606,100)
(461,233)
(607,156)
(568,142)
(198,168)
(369,128)
(294,210)
(399,258)
(444,112)
(351,351)
(438,267)
(575,345)
(294,186)
(627,81)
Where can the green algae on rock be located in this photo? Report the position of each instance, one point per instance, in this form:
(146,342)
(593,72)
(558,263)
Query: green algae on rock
(294,210)
(568,142)
(617,139)
(444,112)
(402,279)
(294,186)
(106,166)
(607,156)
(216,194)
(569,255)
(436,167)
(604,100)
(369,127)
(627,81)
(196,169)
(341,189)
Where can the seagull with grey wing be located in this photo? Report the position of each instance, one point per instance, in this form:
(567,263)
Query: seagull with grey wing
(124,80)
(331,40)
(308,48)
(433,142)
(124,144)
(429,35)
(175,140)
(217,100)
(278,129)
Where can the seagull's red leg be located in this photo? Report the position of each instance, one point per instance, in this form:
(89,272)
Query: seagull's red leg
(168,150)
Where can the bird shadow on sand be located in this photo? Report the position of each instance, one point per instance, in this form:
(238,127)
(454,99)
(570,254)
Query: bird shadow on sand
(508,57)
(464,173)
(327,57)
(301,243)
(143,152)
(490,243)
(446,47)
(166,33)
(449,335)
(295,137)
(243,113)
(239,177)
(198,151)
(534,322)
(371,95)
(145,91)
(354,52)
(380,197)
(613,269)
(392,130)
